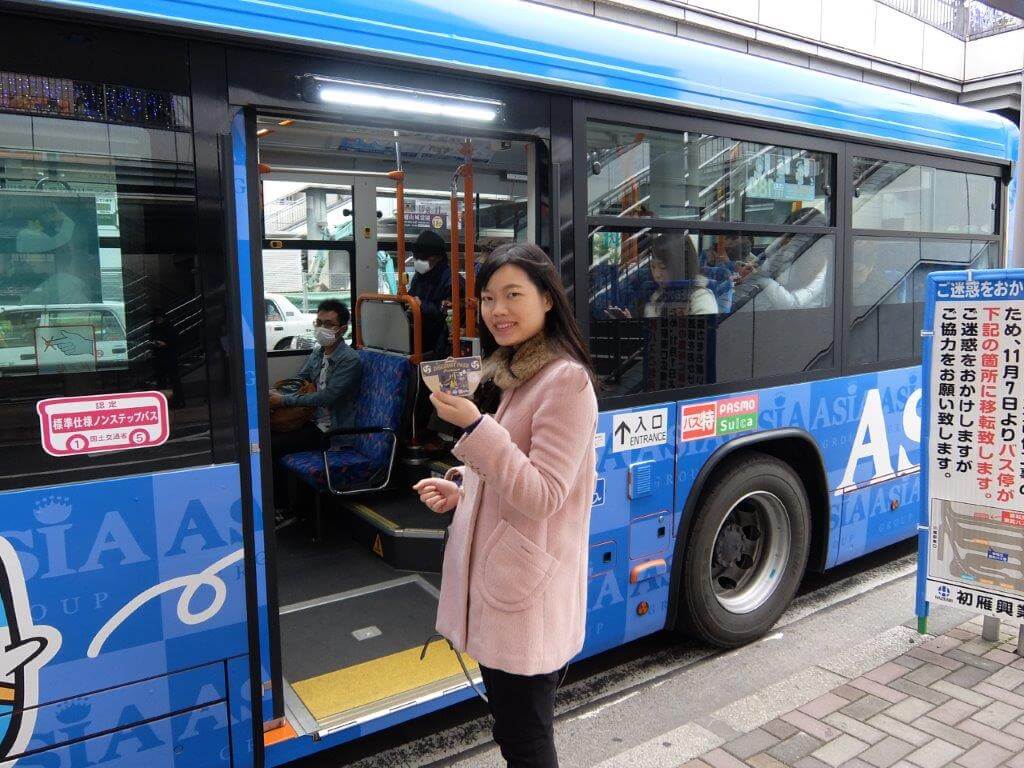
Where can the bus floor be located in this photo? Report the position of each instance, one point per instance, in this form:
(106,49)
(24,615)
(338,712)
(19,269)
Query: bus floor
(352,629)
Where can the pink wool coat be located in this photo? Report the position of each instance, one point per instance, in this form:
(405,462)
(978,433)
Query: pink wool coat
(514,580)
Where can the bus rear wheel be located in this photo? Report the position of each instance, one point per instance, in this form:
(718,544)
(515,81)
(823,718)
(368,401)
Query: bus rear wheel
(746,552)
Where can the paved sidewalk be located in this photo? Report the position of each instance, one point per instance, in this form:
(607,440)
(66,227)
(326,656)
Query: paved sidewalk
(953,700)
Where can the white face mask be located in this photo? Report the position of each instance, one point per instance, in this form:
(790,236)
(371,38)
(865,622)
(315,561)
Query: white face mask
(325,336)
(422,266)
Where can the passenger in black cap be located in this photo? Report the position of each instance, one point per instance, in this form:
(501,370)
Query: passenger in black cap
(432,285)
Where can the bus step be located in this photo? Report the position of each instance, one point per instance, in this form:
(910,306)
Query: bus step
(399,530)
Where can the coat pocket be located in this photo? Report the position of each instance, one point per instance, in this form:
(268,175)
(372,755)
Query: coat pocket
(516,571)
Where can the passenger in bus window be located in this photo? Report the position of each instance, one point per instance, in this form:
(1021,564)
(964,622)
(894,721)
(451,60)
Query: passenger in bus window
(795,270)
(334,367)
(432,285)
(677,283)
(514,579)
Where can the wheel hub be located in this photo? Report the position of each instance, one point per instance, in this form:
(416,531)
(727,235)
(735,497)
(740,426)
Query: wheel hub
(729,546)
(750,553)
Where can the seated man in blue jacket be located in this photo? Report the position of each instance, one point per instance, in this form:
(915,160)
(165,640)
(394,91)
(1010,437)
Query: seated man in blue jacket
(336,370)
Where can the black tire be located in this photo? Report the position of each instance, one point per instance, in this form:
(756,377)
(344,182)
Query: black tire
(285,343)
(750,484)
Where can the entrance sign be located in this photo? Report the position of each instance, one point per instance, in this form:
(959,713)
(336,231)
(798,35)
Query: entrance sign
(971,548)
(640,429)
(71,426)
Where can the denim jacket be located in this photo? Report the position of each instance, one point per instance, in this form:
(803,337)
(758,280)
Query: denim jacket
(344,374)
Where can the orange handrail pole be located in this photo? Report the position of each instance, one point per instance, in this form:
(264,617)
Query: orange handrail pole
(417,320)
(470,208)
(399,179)
(456,294)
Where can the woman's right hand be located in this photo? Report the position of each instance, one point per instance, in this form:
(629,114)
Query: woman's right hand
(440,495)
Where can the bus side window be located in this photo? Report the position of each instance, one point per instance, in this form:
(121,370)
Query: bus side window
(98,240)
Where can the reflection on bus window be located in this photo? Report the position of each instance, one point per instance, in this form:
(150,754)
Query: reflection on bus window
(94,244)
(635,172)
(916,198)
(678,308)
(889,277)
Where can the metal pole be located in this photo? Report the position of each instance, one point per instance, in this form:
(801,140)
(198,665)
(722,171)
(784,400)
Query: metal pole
(470,208)
(1016,244)
(456,298)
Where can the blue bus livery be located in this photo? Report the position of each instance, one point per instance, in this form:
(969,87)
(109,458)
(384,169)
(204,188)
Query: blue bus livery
(761,387)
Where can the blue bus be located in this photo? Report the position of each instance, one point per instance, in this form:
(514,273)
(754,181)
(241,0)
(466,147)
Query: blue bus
(746,243)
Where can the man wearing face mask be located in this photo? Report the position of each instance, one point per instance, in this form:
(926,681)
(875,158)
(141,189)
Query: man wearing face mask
(336,370)
(432,285)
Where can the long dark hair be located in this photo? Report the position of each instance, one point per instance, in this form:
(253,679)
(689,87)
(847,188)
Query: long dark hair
(560,327)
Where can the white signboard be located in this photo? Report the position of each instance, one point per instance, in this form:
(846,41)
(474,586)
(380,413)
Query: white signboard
(975,491)
(640,429)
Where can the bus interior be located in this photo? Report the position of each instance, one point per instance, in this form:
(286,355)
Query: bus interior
(358,558)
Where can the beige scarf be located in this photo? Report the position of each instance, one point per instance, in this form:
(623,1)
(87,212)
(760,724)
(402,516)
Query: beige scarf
(509,367)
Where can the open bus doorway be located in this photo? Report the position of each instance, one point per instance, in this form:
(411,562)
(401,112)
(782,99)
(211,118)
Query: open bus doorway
(358,558)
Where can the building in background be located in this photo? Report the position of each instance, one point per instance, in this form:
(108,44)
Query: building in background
(961,51)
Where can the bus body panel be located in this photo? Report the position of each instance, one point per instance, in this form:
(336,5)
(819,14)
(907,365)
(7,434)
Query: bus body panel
(239,685)
(194,739)
(527,41)
(122,580)
(127,706)
(239,183)
(866,427)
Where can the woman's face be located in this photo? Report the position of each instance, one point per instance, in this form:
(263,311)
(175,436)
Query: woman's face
(513,308)
(659,271)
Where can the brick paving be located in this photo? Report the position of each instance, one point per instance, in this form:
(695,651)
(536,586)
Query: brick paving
(954,700)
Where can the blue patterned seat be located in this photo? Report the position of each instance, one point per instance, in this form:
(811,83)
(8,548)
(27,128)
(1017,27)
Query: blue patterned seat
(380,404)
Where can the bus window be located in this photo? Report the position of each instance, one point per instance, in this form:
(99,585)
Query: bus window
(97,233)
(921,205)
(888,286)
(916,198)
(679,308)
(675,303)
(635,172)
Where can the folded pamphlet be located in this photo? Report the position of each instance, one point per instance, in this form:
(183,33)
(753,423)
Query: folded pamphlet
(457,376)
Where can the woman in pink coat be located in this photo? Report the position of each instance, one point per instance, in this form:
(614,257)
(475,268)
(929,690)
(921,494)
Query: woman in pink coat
(514,581)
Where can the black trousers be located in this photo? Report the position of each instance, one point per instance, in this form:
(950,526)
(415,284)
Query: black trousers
(523,708)
(306,438)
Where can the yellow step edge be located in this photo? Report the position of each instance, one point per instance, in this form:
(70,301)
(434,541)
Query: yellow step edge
(362,684)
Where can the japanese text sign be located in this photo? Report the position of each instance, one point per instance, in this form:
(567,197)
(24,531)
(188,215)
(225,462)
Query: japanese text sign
(973,554)
(92,424)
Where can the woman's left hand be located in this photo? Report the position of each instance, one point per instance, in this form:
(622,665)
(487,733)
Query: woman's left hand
(455,410)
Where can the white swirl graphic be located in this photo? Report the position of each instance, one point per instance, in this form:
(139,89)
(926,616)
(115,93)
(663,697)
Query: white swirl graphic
(189,585)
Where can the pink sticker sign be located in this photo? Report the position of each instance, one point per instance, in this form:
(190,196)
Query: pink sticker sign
(75,425)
